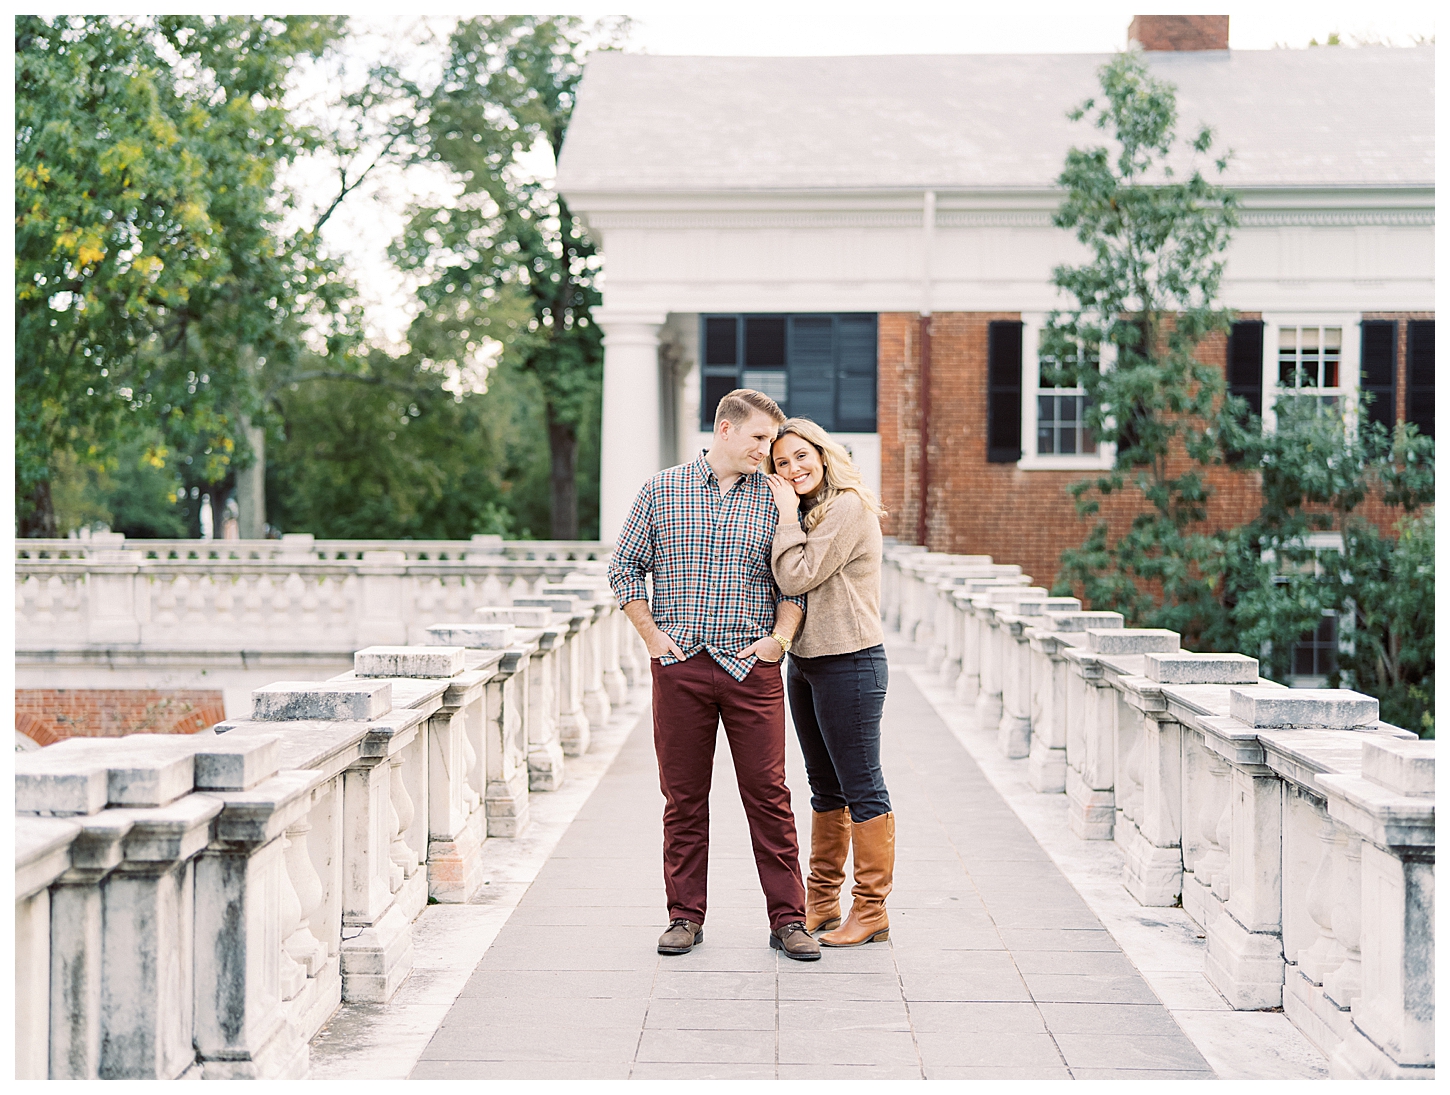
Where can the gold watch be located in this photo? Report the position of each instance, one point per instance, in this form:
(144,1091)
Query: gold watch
(784,642)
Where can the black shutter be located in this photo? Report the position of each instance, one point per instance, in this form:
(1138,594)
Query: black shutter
(813,370)
(1420,381)
(856,375)
(1004,392)
(1377,370)
(1246,363)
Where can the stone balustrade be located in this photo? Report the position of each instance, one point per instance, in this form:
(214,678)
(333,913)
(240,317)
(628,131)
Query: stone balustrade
(266,599)
(1292,825)
(198,906)
(292,546)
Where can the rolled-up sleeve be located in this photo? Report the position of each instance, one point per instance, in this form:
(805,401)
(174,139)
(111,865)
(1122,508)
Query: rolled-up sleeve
(634,554)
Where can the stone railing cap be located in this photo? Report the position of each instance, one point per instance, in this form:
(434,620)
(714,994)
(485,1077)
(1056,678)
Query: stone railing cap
(1404,766)
(1307,708)
(1081,621)
(352,700)
(472,636)
(408,661)
(1187,667)
(1131,640)
(520,616)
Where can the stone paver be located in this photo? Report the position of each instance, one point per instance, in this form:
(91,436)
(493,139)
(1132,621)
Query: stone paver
(996,968)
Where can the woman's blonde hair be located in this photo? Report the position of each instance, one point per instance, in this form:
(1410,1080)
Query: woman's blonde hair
(839,472)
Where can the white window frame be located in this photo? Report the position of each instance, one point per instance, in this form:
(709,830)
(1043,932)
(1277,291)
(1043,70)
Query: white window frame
(1033,325)
(1349,346)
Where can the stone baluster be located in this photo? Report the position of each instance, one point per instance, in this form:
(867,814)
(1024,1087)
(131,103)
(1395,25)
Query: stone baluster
(376,950)
(571,721)
(1389,807)
(249,916)
(1090,711)
(1151,834)
(506,797)
(1016,616)
(1245,958)
(596,700)
(42,855)
(1047,752)
(543,636)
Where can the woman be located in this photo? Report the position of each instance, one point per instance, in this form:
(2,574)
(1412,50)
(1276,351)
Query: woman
(836,680)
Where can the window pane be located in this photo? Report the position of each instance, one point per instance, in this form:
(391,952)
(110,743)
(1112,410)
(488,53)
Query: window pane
(1309,339)
(1288,356)
(1044,440)
(720,341)
(1067,441)
(765,341)
(1067,408)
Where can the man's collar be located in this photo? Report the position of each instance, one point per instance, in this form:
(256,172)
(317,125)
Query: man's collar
(703,468)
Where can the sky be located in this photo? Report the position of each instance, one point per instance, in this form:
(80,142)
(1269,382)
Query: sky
(370,219)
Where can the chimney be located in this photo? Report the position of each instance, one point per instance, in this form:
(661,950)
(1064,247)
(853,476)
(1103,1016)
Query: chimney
(1179,33)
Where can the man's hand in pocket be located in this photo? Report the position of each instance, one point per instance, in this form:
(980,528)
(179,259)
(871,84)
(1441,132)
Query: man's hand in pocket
(659,644)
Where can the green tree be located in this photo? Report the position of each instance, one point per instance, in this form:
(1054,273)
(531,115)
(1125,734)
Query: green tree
(1278,577)
(152,275)
(392,454)
(507,92)
(1145,299)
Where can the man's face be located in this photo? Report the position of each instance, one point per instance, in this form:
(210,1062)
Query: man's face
(746,445)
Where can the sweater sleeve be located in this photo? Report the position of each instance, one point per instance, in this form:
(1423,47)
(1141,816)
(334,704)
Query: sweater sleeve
(803,560)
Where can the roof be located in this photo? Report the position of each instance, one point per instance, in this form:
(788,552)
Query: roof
(1336,117)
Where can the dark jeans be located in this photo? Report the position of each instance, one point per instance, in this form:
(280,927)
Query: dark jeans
(691,699)
(836,702)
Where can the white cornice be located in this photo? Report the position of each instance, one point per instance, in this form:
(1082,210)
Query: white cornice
(1024,218)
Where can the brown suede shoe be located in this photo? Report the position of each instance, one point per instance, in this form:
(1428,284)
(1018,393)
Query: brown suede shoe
(796,942)
(681,937)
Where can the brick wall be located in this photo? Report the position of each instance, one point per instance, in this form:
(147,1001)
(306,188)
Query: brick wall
(48,715)
(974,507)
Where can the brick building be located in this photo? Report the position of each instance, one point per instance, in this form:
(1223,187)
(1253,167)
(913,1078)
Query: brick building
(797,224)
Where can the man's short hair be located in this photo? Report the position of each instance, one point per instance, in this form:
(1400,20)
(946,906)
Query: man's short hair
(740,405)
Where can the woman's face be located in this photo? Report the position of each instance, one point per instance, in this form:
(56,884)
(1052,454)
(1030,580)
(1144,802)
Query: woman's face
(797,462)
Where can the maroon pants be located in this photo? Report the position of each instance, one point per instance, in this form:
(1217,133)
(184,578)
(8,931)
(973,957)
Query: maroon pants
(691,698)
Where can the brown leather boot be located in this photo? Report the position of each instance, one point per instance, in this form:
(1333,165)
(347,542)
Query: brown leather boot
(830,841)
(873,845)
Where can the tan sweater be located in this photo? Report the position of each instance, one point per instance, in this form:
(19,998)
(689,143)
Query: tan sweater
(838,566)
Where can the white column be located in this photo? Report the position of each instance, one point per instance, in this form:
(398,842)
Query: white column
(629,449)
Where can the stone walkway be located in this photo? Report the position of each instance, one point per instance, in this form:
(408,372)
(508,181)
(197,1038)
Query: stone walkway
(996,968)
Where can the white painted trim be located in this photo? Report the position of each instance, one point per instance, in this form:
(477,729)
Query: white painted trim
(1032,325)
(1349,323)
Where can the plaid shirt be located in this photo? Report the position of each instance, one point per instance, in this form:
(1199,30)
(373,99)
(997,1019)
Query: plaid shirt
(710,557)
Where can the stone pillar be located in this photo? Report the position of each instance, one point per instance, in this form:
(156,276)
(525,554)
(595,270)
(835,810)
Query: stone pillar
(506,797)
(571,662)
(1014,729)
(148,931)
(454,842)
(117,600)
(594,696)
(1152,840)
(1390,805)
(1245,959)
(42,855)
(541,710)
(244,971)
(1047,754)
(1090,708)
(383,611)
(75,957)
(629,446)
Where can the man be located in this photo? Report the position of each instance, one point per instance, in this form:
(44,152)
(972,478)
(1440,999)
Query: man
(717,629)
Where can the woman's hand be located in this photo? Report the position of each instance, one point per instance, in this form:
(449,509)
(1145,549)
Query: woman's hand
(786,499)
